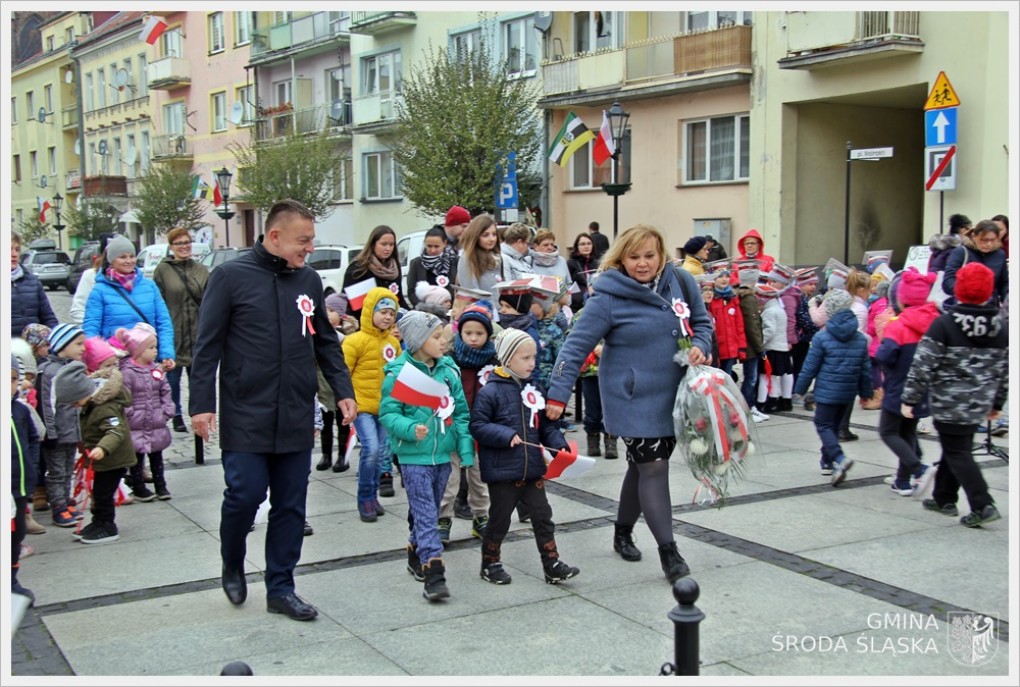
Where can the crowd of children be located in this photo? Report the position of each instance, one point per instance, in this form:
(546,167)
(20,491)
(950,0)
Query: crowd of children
(477,420)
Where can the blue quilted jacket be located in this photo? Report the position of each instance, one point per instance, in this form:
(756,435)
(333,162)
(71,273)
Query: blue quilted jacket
(838,357)
(107,310)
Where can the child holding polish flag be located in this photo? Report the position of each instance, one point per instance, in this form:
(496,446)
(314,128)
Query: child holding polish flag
(509,423)
(425,414)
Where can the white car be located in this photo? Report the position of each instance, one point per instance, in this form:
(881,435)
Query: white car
(331,263)
(152,255)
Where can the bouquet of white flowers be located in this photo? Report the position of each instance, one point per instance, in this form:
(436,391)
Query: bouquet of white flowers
(714,430)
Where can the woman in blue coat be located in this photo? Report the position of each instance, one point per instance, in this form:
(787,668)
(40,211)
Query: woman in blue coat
(639,305)
(122,297)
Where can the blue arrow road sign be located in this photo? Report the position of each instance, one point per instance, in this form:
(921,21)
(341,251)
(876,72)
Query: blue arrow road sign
(940,127)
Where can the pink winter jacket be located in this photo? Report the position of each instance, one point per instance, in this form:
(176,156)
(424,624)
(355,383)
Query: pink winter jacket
(874,310)
(151,405)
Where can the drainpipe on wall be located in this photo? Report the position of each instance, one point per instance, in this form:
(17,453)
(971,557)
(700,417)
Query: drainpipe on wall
(79,94)
(545,201)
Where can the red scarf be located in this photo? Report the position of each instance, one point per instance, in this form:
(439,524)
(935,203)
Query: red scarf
(125,280)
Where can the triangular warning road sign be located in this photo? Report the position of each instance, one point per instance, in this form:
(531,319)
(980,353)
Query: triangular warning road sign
(942,94)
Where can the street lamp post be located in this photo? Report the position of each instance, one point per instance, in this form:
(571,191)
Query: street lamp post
(223,178)
(58,200)
(618,119)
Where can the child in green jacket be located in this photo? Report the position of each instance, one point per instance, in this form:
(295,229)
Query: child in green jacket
(426,418)
(106,437)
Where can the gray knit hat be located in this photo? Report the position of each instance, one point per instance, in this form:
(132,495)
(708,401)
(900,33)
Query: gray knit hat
(72,383)
(837,300)
(507,343)
(16,366)
(117,247)
(416,327)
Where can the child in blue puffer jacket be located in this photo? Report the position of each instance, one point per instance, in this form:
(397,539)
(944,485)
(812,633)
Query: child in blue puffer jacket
(509,423)
(838,357)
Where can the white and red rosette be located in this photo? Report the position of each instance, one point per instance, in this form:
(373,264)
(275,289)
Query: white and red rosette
(445,412)
(389,352)
(158,374)
(306,307)
(442,280)
(483,374)
(395,287)
(683,311)
(533,401)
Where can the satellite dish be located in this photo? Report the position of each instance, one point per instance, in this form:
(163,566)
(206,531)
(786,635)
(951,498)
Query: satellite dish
(132,155)
(236,112)
(102,147)
(43,181)
(69,76)
(336,110)
(121,78)
(77,147)
(543,20)
(42,115)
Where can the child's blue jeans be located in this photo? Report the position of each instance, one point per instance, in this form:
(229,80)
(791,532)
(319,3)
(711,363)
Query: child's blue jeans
(827,419)
(425,485)
(374,450)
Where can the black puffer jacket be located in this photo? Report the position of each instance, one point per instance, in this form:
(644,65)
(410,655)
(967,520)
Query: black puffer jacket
(496,416)
(249,327)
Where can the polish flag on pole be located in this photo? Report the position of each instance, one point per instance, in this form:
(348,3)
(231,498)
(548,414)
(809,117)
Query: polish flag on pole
(604,146)
(153,29)
(356,292)
(416,388)
(44,205)
(566,463)
(217,197)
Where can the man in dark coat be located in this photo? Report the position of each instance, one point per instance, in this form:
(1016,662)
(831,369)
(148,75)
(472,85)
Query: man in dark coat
(599,241)
(264,324)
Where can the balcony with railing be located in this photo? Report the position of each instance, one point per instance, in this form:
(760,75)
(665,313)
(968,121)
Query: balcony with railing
(685,62)
(375,23)
(823,39)
(168,147)
(283,121)
(304,33)
(105,185)
(69,117)
(168,73)
(377,112)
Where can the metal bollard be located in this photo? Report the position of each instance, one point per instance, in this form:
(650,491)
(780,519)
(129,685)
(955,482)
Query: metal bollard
(199,450)
(686,618)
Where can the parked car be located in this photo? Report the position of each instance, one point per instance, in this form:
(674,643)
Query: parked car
(49,266)
(408,248)
(331,263)
(83,258)
(218,256)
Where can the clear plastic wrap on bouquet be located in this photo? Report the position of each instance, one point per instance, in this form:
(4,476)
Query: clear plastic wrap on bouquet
(714,430)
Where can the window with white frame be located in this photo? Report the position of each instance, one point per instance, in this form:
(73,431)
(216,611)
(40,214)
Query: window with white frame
(585,174)
(282,90)
(464,44)
(49,44)
(338,22)
(597,30)
(16,172)
(143,153)
(381,176)
(246,96)
(219,111)
(51,155)
(118,157)
(100,87)
(343,180)
(214,26)
(143,77)
(338,93)
(14,110)
(700,21)
(173,119)
(115,95)
(90,103)
(20,215)
(92,156)
(242,28)
(48,97)
(131,92)
(381,73)
(33,163)
(132,151)
(717,149)
(520,46)
(68,35)
(30,104)
(171,43)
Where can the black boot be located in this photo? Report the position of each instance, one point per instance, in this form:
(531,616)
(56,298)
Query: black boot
(435,580)
(179,425)
(158,478)
(326,442)
(623,543)
(343,434)
(771,405)
(386,485)
(414,564)
(785,405)
(139,491)
(611,447)
(673,564)
(593,445)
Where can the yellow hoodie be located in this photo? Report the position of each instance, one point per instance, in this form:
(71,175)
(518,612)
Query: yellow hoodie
(367,351)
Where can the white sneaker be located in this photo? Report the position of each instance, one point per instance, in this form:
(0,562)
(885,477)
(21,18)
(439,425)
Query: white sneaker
(890,479)
(758,416)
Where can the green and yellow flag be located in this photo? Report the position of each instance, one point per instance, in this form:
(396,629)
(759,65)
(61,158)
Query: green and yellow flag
(572,136)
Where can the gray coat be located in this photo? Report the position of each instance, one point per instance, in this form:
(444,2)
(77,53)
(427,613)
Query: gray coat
(638,379)
(61,419)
